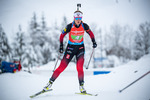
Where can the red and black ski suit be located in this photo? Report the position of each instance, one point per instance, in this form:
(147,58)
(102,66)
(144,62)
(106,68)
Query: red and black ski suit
(75,47)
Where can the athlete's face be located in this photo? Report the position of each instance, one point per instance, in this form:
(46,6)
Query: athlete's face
(77,20)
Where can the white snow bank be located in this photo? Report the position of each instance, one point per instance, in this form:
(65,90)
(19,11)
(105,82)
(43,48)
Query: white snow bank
(21,85)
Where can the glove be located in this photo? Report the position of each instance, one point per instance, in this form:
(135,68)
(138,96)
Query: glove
(94,45)
(61,48)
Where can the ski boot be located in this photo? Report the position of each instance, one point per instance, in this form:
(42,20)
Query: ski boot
(48,86)
(82,90)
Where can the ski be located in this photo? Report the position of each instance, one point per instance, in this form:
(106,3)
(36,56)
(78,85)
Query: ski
(87,94)
(39,93)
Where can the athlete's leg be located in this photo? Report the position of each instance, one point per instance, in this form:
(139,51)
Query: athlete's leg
(64,62)
(80,62)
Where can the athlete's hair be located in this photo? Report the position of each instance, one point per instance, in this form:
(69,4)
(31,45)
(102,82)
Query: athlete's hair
(78,11)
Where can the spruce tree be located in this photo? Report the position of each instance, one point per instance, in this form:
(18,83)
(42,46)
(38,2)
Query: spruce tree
(5,49)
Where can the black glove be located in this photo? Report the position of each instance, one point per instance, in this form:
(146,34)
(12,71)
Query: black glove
(94,45)
(61,48)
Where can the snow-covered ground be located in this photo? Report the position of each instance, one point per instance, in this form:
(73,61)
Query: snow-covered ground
(21,85)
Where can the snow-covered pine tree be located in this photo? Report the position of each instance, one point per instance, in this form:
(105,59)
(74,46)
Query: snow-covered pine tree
(31,53)
(19,44)
(142,40)
(40,39)
(144,30)
(5,49)
(138,47)
(43,23)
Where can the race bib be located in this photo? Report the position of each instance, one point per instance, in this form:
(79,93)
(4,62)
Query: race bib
(76,37)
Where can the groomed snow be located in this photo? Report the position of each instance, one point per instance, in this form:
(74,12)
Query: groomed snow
(21,85)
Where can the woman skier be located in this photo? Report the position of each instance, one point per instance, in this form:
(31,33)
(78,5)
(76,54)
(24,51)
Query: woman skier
(75,48)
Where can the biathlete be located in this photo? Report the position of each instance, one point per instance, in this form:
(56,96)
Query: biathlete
(75,48)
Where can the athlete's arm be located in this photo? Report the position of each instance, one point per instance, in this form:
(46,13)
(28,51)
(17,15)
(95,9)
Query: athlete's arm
(64,32)
(88,30)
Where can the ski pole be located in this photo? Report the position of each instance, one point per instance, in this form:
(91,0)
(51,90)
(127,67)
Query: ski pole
(56,62)
(134,82)
(90,59)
